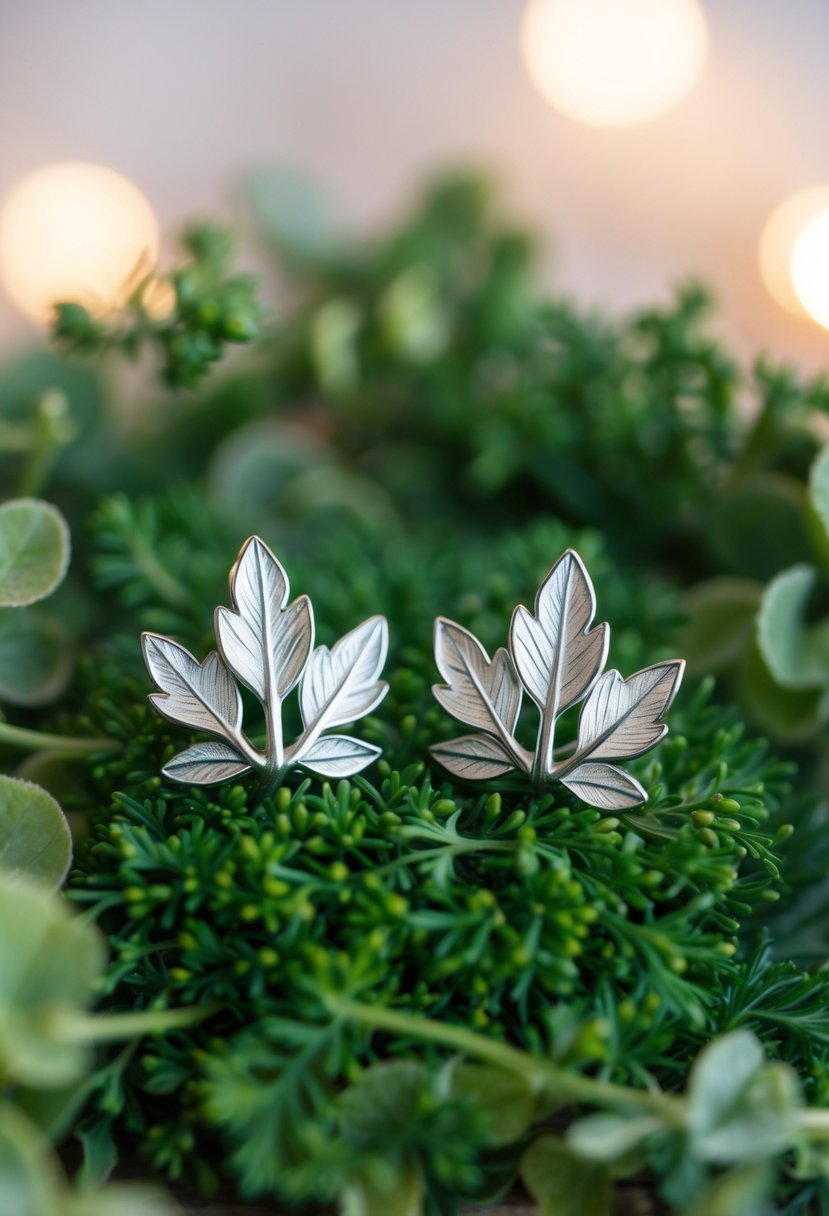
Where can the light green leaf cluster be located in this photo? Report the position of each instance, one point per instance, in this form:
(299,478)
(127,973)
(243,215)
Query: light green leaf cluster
(34,556)
(49,965)
(32,1184)
(766,633)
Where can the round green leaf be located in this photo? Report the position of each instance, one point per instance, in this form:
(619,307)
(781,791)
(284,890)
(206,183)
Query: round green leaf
(791,650)
(34,551)
(759,525)
(28,1177)
(819,488)
(794,715)
(35,662)
(49,962)
(741,1109)
(34,836)
(721,613)
(294,215)
(561,1183)
(506,1097)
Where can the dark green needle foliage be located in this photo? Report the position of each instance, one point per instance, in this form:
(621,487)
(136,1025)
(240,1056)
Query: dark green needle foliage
(611,943)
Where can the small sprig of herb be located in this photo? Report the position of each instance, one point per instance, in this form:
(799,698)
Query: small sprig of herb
(188,315)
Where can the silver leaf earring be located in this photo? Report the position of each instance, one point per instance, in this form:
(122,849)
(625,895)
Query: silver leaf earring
(268,645)
(558,659)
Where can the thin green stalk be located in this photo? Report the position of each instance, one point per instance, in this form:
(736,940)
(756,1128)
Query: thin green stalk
(42,741)
(541,1074)
(53,430)
(170,590)
(101,1027)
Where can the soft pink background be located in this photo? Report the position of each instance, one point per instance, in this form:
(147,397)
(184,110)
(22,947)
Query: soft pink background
(369,95)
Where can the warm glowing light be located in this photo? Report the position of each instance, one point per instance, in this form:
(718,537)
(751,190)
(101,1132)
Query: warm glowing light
(614,63)
(777,243)
(75,232)
(810,268)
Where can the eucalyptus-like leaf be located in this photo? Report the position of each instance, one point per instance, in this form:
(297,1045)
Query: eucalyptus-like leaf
(795,653)
(604,786)
(557,658)
(35,657)
(561,1183)
(341,684)
(624,718)
(49,964)
(556,653)
(35,840)
(34,551)
(479,691)
(264,643)
(202,696)
(29,1177)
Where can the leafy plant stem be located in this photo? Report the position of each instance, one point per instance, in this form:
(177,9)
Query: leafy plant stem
(97,1028)
(541,1074)
(42,741)
(168,588)
(51,432)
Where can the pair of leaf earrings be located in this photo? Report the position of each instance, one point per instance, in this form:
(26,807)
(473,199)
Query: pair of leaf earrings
(267,644)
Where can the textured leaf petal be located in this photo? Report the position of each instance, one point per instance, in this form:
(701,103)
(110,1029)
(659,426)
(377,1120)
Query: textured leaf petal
(473,757)
(624,718)
(341,684)
(34,551)
(264,643)
(604,786)
(34,836)
(199,695)
(478,689)
(206,764)
(338,756)
(556,657)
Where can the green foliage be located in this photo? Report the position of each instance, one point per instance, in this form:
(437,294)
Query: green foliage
(379,992)
(34,836)
(34,551)
(561,1183)
(188,316)
(34,555)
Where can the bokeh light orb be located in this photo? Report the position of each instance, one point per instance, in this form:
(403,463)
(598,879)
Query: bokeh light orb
(76,232)
(614,63)
(795,282)
(810,267)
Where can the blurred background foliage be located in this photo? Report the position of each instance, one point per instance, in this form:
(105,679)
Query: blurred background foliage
(419,385)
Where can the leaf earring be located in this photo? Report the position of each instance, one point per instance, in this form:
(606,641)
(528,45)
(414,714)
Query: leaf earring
(268,645)
(557,658)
